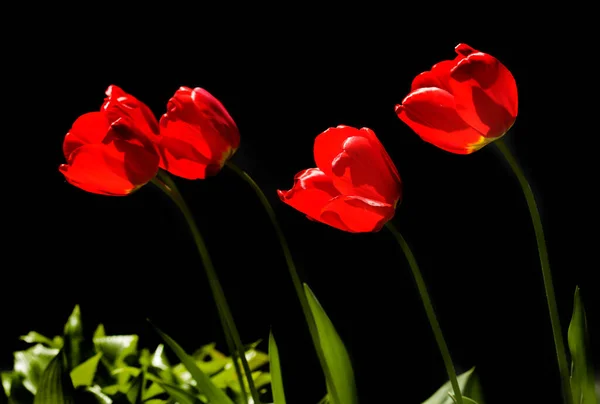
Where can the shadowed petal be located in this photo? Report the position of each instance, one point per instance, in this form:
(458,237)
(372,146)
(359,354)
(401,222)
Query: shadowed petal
(356,214)
(117,169)
(485,93)
(432,114)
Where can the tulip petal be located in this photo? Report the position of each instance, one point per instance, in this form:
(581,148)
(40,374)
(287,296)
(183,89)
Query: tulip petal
(464,50)
(356,214)
(485,94)
(121,106)
(116,169)
(90,128)
(432,114)
(357,163)
(196,118)
(182,159)
(312,190)
(437,77)
(204,110)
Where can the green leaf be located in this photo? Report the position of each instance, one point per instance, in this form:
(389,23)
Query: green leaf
(155,389)
(96,393)
(469,385)
(276,379)
(228,376)
(3,396)
(55,384)
(466,400)
(136,389)
(582,371)
(83,375)
(36,338)
(210,360)
(31,364)
(204,384)
(100,332)
(14,389)
(335,353)
(159,358)
(179,395)
(73,336)
(115,349)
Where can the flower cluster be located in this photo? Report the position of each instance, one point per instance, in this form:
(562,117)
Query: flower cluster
(120,148)
(459,105)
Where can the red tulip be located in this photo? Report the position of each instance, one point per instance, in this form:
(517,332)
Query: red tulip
(356,186)
(463,104)
(111,152)
(197,135)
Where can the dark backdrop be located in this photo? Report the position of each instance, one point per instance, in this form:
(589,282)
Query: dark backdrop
(285,77)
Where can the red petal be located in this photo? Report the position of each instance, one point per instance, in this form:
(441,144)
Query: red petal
(198,119)
(485,94)
(182,159)
(118,168)
(437,77)
(312,190)
(120,106)
(431,113)
(356,214)
(90,128)
(464,50)
(357,163)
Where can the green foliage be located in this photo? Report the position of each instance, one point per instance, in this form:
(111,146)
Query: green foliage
(113,369)
(276,378)
(341,389)
(469,387)
(582,371)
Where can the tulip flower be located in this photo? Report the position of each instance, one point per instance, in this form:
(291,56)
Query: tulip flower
(463,104)
(119,149)
(355,186)
(197,135)
(111,152)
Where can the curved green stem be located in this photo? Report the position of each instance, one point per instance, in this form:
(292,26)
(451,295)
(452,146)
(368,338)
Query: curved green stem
(166,184)
(312,327)
(546,273)
(433,321)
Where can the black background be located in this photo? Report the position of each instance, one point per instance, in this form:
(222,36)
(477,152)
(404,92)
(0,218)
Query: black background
(285,76)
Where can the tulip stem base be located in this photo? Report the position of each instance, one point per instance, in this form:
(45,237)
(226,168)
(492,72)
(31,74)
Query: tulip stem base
(545,265)
(433,321)
(232,337)
(293,274)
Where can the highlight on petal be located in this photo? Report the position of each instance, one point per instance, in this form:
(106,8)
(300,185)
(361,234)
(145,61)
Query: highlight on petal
(121,106)
(431,113)
(356,214)
(116,169)
(357,163)
(485,94)
(90,128)
(312,190)
(464,50)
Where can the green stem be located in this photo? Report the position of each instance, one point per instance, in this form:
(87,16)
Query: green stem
(546,273)
(166,184)
(433,321)
(312,327)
